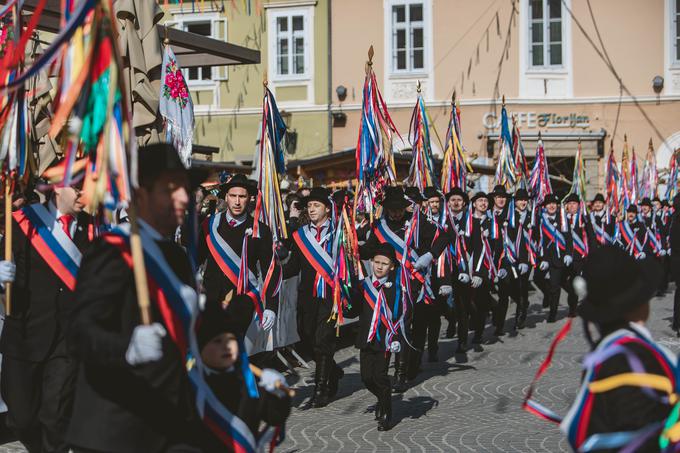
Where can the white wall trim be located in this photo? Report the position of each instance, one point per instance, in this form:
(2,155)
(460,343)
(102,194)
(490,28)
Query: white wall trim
(305,9)
(402,85)
(671,66)
(289,4)
(561,79)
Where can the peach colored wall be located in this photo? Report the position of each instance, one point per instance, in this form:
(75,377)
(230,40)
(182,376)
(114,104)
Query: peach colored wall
(633,35)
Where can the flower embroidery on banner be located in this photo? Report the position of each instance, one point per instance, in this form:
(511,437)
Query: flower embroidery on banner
(174,86)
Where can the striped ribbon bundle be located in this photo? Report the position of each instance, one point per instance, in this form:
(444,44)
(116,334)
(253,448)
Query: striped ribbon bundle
(578,184)
(611,182)
(521,164)
(650,175)
(270,157)
(347,262)
(455,166)
(539,180)
(633,182)
(672,186)
(626,185)
(375,160)
(421,173)
(506,171)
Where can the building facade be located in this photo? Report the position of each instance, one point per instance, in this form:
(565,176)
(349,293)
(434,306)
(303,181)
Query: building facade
(533,52)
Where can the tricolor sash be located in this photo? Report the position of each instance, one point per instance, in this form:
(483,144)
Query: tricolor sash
(632,245)
(553,234)
(600,233)
(580,245)
(316,255)
(230,262)
(381,313)
(48,238)
(386,235)
(178,305)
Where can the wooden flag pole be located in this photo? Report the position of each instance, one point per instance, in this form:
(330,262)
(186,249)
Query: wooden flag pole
(279,385)
(8,241)
(138,267)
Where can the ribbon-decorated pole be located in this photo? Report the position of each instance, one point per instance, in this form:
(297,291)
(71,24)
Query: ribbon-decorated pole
(672,185)
(455,166)
(650,174)
(506,172)
(611,182)
(375,160)
(8,241)
(271,168)
(578,182)
(633,183)
(521,165)
(625,176)
(539,179)
(421,174)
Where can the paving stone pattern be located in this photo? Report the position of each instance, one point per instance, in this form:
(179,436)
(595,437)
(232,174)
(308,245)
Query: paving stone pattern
(463,403)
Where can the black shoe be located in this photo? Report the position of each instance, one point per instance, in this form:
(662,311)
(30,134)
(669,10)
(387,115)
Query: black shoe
(384,424)
(319,398)
(552,318)
(400,386)
(572,312)
(378,411)
(499,332)
(521,323)
(432,357)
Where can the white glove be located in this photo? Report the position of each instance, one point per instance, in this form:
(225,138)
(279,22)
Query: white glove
(523,268)
(568,260)
(268,318)
(270,378)
(502,273)
(395,347)
(543,266)
(463,278)
(424,261)
(145,344)
(642,256)
(662,252)
(668,252)
(7,271)
(476,282)
(445,290)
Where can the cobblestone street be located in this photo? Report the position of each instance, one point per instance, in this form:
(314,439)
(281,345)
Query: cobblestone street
(463,403)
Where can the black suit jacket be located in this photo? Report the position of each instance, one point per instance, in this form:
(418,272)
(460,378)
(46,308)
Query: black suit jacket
(41,302)
(362,309)
(118,407)
(260,252)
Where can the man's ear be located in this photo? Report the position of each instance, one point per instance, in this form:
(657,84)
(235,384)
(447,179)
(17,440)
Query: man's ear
(328,210)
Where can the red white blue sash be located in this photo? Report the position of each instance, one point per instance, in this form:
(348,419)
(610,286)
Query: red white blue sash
(381,313)
(48,238)
(317,256)
(386,235)
(230,262)
(553,234)
(177,303)
(632,244)
(600,233)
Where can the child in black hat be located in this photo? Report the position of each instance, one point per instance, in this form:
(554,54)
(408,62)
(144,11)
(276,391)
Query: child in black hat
(615,291)
(375,302)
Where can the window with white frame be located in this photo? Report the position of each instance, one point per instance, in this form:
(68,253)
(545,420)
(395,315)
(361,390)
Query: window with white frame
(200,72)
(546,49)
(408,36)
(291,42)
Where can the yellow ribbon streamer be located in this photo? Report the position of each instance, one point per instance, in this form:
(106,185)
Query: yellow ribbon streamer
(653,381)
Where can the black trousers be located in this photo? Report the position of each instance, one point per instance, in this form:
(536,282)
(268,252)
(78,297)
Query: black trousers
(463,309)
(552,285)
(521,294)
(427,323)
(676,301)
(505,291)
(317,330)
(483,302)
(39,398)
(373,369)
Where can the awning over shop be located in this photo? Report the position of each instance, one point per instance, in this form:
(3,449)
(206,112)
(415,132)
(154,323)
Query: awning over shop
(192,50)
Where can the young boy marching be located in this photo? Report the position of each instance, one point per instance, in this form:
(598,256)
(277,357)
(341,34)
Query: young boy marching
(377,337)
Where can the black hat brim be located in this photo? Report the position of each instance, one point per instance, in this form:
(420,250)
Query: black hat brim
(324,200)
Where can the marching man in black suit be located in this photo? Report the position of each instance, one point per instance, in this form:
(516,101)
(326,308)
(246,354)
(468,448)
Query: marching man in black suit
(37,373)
(226,235)
(600,226)
(133,392)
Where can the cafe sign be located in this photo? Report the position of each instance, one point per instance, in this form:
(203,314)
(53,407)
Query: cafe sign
(530,120)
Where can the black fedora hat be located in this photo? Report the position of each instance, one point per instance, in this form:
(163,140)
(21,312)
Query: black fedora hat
(158,158)
(414,194)
(521,194)
(239,180)
(432,192)
(499,191)
(599,197)
(632,208)
(320,194)
(386,250)
(646,202)
(479,195)
(551,198)
(394,198)
(460,192)
(615,283)
(572,197)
